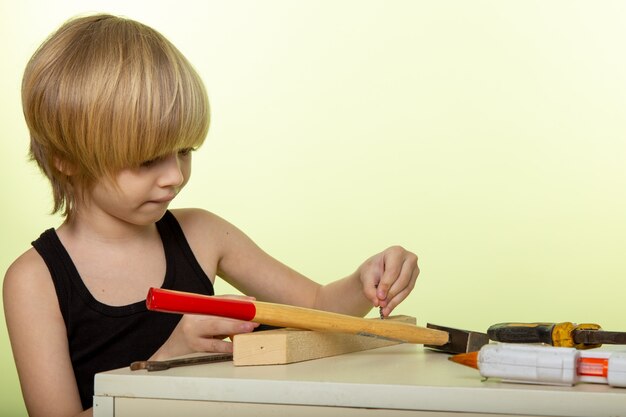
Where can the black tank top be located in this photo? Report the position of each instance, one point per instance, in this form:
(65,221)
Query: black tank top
(103,337)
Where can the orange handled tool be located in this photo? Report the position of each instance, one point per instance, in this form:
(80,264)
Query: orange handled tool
(290,316)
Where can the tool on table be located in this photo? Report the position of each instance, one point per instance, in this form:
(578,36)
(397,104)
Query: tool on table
(566,334)
(282,315)
(171,363)
(540,364)
(459,341)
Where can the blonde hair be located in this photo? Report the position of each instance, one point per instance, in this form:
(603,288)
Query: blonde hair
(104,93)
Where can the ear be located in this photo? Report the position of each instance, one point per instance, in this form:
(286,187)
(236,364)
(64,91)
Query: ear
(64,166)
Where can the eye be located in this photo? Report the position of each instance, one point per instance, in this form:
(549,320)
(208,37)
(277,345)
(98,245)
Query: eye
(150,162)
(185,152)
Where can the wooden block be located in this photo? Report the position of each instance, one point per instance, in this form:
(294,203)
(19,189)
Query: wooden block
(282,346)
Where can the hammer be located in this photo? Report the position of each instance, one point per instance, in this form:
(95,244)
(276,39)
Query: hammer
(436,337)
(282,315)
(459,341)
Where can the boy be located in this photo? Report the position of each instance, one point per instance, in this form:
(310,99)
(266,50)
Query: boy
(114,112)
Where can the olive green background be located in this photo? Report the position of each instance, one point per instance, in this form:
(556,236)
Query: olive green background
(486,136)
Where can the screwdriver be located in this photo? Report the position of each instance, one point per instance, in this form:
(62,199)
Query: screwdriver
(565,334)
(540,364)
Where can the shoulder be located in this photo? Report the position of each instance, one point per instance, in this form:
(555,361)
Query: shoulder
(27,270)
(201,222)
(204,231)
(27,284)
(207,231)
(193,216)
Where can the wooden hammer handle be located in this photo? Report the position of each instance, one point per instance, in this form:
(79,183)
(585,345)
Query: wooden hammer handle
(290,316)
(306,318)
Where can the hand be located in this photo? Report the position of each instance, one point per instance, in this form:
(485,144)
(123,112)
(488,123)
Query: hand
(203,333)
(389,277)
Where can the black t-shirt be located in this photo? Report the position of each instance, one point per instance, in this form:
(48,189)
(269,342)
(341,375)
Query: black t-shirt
(103,337)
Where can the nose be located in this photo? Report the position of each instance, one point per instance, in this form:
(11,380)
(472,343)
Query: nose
(171,174)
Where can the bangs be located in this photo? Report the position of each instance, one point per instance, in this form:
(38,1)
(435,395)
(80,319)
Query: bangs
(131,97)
(158,105)
(105,93)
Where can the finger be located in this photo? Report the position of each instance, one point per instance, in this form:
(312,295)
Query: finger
(237,297)
(401,289)
(208,344)
(393,303)
(394,260)
(405,277)
(205,333)
(372,273)
(211,326)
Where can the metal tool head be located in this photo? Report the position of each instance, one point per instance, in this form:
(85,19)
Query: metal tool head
(460,341)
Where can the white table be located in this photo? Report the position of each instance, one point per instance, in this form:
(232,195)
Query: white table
(398,380)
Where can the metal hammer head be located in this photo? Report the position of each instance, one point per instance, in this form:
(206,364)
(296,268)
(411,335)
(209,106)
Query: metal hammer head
(460,341)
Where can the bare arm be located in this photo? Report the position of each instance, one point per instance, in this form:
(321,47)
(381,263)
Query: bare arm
(240,262)
(384,280)
(39,340)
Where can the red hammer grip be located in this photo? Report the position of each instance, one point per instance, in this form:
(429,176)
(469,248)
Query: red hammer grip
(171,301)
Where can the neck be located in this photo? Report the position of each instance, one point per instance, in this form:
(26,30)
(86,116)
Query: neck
(105,228)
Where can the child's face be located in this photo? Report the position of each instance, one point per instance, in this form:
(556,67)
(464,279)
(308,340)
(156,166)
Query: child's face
(141,195)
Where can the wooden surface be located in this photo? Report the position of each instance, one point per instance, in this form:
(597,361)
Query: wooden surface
(283,346)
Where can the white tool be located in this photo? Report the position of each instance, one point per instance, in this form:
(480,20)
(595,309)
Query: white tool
(538,364)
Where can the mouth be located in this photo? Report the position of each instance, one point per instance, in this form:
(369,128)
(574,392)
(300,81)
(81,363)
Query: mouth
(165,199)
